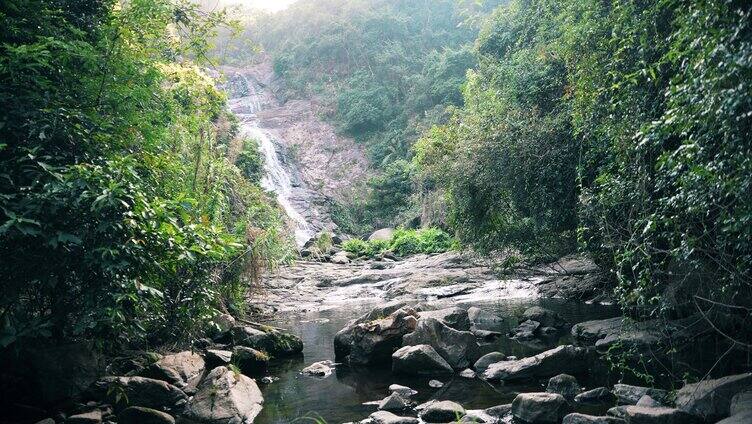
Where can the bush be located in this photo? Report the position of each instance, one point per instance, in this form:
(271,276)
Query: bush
(404,242)
(356,246)
(250,161)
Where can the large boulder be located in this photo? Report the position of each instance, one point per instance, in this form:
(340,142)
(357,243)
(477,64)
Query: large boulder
(455,317)
(384,234)
(62,372)
(490,358)
(343,340)
(741,402)
(266,339)
(563,359)
(660,415)
(215,357)
(394,402)
(459,348)
(527,330)
(599,395)
(711,399)
(588,332)
(91,417)
(419,360)
(183,370)
(140,415)
(374,342)
(385,417)
(565,385)
(224,397)
(442,412)
(123,392)
(539,407)
(576,418)
(250,361)
(629,395)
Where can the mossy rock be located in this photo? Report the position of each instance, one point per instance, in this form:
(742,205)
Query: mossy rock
(274,342)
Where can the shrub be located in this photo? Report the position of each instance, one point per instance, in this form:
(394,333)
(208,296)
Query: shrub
(356,246)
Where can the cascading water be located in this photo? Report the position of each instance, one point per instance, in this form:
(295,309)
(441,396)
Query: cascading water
(278,176)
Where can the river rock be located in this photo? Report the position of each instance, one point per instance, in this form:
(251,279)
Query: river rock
(215,358)
(490,358)
(138,391)
(467,373)
(479,316)
(140,415)
(527,330)
(567,359)
(539,407)
(477,416)
(419,360)
(744,417)
(618,411)
(458,348)
(442,412)
(455,317)
(711,399)
(402,390)
(344,340)
(224,397)
(588,332)
(269,340)
(250,361)
(223,322)
(384,234)
(183,370)
(565,385)
(91,417)
(740,403)
(546,317)
(595,396)
(499,412)
(319,369)
(659,415)
(576,418)
(629,395)
(61,372)
(386,417)
(649,402)
(394,402)
(435,384)
(374,342)
(340,258)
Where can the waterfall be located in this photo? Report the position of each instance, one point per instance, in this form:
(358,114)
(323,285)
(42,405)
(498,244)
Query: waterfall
(278,176)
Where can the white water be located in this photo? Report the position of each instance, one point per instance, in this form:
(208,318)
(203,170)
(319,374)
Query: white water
(277,176)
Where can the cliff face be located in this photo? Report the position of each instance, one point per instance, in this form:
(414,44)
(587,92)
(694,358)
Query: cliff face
(321,164)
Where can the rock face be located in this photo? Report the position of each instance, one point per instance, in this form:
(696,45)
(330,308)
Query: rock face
(224,397)
(271,341)
(648,415)
(576,418)
(374,342)
(385,417)
(343,340)
(384,234)
(711,399)
(419,360)
(250,361)
(630,395)
(567,359)
(456,318)
(458,348)
(139,391)
(139,415)
(183,370)
(442,412)
(565,385)
(63,372)
(490,358)
(539,407)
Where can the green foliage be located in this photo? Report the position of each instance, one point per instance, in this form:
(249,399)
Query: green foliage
(404,242)
(356,246)
(250,161)
(118,215)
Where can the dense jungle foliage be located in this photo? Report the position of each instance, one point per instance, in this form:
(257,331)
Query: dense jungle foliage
(621,127)
(122,217)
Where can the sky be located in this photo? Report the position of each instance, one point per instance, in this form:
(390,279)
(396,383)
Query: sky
(270,5)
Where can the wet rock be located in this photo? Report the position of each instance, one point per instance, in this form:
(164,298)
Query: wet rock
(479,316)
(385,417)
(595,396)
(62,372)
(618,411)
(467,373)
(402,390)
(477,416)
(456,318)
(629,395)
(436,384)
(568,359)
(92,417)
(588,332)
(627,334)
(140,415)
(394,402)
(499,411)
(374,342)
(223,322)
(319,369)
(660,415)
(269,379)
(711,399)
(649,402)
(46,421)
(539,407)
(224,397)
(343,339)
(490,358)
(741,402)
(485,334)
(565,385)
(269,340)
(250,361)
(576,418)
(527,330)
(458,348)
(744,417)
(384,234)
(419,360)
(215,358)
(183,370)
(442,412)
(139,391)
(546,317)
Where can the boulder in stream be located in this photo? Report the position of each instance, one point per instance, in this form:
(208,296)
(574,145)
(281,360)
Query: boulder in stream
(711,399)
(546,317)
(224,397)
(272,341)
(442,412)
(394,402)
(539,407)
(596,396)
(139,391)
(563,359)
(455,317)
(140,415)
(575,418)
(657,415)
(183,370)
(490,358)
(419,360)
(459,348)
(627,394)
(374,342)
(565,385)
(250,361)
(386,417)
(343,340)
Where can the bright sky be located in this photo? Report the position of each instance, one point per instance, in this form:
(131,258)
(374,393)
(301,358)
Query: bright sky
(270,5)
